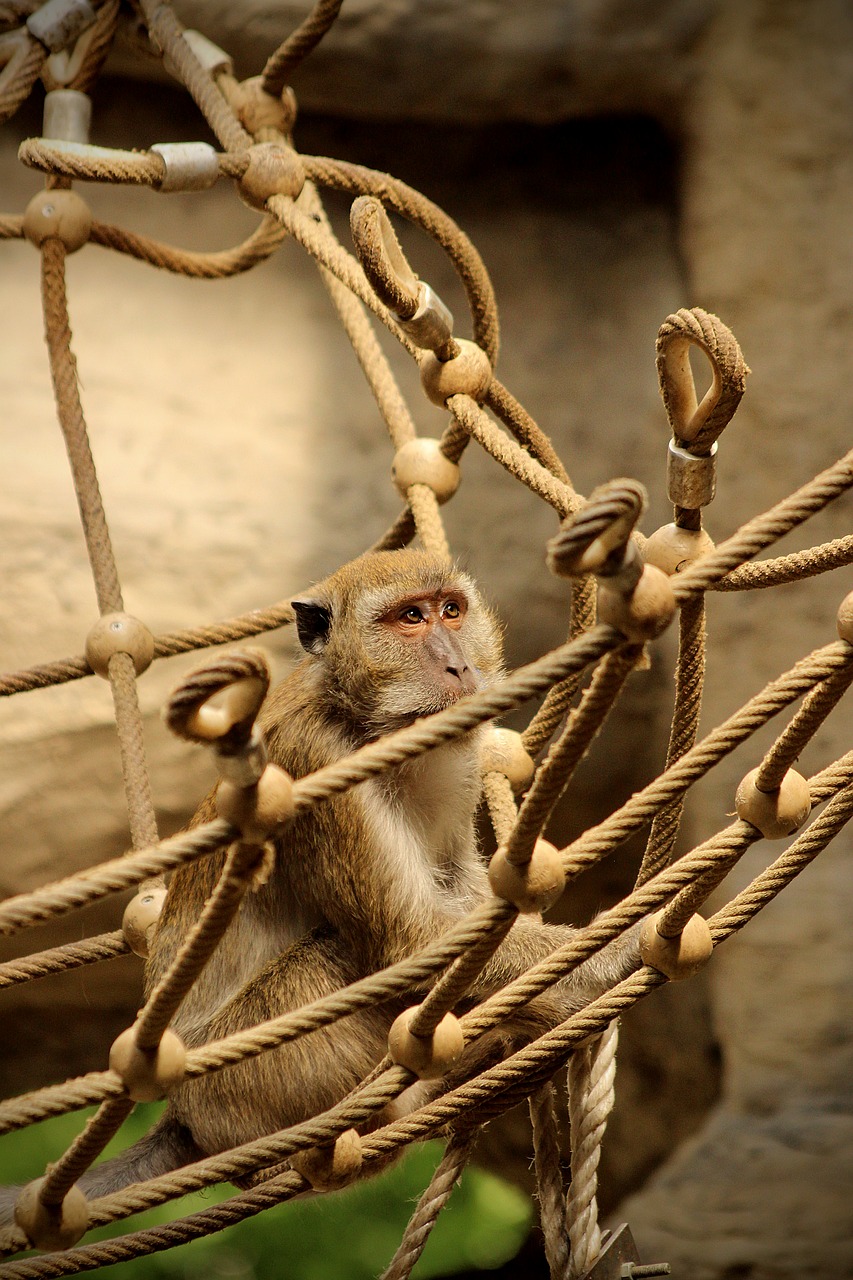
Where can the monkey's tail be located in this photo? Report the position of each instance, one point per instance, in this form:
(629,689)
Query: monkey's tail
(165,1147)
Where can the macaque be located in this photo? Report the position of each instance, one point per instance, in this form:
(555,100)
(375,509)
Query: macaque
(360,881)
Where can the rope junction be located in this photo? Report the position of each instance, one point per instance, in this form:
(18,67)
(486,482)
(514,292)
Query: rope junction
(642,584)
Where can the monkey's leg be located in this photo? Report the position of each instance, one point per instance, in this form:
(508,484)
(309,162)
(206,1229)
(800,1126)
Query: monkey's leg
(282,1086)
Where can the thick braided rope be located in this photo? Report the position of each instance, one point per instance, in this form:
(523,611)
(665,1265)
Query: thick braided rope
(63,369)
(260,245)
(592,1072)
(287,57)
(717,854)
(805,724)
(526,431)
(134,767)
(689,684)
(358,180)
(122,867)
(400,978)
(577,1028)
(559,697)
(26,909)
(18,77)
(512,457)
(430,1205)
(582,727)
(549,1184)
(85,1149)
(167,32)
(765,529)
(642,806)
(791,568)
(56,1100)
(71,955)
(530,1061)
(95,43)
(234,883)
(695,427)
(397,1082)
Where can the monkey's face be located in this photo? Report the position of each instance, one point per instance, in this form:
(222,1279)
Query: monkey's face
(399,635)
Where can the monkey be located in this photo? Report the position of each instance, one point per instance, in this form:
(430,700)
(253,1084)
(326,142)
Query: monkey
(368,878)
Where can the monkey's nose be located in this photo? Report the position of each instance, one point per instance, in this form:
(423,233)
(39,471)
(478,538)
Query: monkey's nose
(462,679)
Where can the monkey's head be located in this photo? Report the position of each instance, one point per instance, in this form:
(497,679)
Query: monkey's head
(398,635)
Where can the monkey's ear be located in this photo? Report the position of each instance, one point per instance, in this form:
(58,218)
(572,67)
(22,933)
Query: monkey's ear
(313,624)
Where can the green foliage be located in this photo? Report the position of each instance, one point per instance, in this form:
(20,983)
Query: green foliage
(351,1235)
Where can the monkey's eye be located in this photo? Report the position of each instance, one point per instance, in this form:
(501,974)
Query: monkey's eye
(451,610)
(412,615)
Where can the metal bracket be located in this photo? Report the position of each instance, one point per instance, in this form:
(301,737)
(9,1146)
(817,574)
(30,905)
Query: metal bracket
(619,1259)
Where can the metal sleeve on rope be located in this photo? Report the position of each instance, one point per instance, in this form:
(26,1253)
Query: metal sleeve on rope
(59,22)
(189,166)
(691,478)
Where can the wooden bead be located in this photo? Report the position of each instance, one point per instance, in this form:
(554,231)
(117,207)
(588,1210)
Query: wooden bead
(261,810)
(274,170)
(330,1168)
(429,1057)
(468,373)
(778,813)
(645,613)
(148,1074)
(503,752)
(259,110)
(845,618)
(421,461)
(678,957)
(672,549)
(140,920)
(51,1226)
(119,633)
(531,886)
(58,215)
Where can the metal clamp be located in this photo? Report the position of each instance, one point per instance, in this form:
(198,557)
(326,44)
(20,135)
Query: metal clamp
(189,166)
(58,23)
(691,479)
(431,326)
(67,116)
(619,1259)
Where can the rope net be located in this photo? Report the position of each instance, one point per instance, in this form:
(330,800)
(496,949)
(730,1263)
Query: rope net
(643,583)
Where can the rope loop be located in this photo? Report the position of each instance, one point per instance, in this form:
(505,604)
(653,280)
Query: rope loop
(421,313)
(595,538)
(240,680)
(695,426)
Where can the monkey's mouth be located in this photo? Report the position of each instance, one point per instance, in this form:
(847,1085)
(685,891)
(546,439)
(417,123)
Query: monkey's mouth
(394,718)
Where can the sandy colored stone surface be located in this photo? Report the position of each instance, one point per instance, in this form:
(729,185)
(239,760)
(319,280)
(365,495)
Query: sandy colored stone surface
(543,61)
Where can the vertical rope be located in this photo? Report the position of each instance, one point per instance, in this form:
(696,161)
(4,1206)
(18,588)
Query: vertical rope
(549,1184)
(554,774)
(63,368)
(559,697)
(429,1206)
(428,521)
(689,685)
(134,767)
(500,800)
(592,1071)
